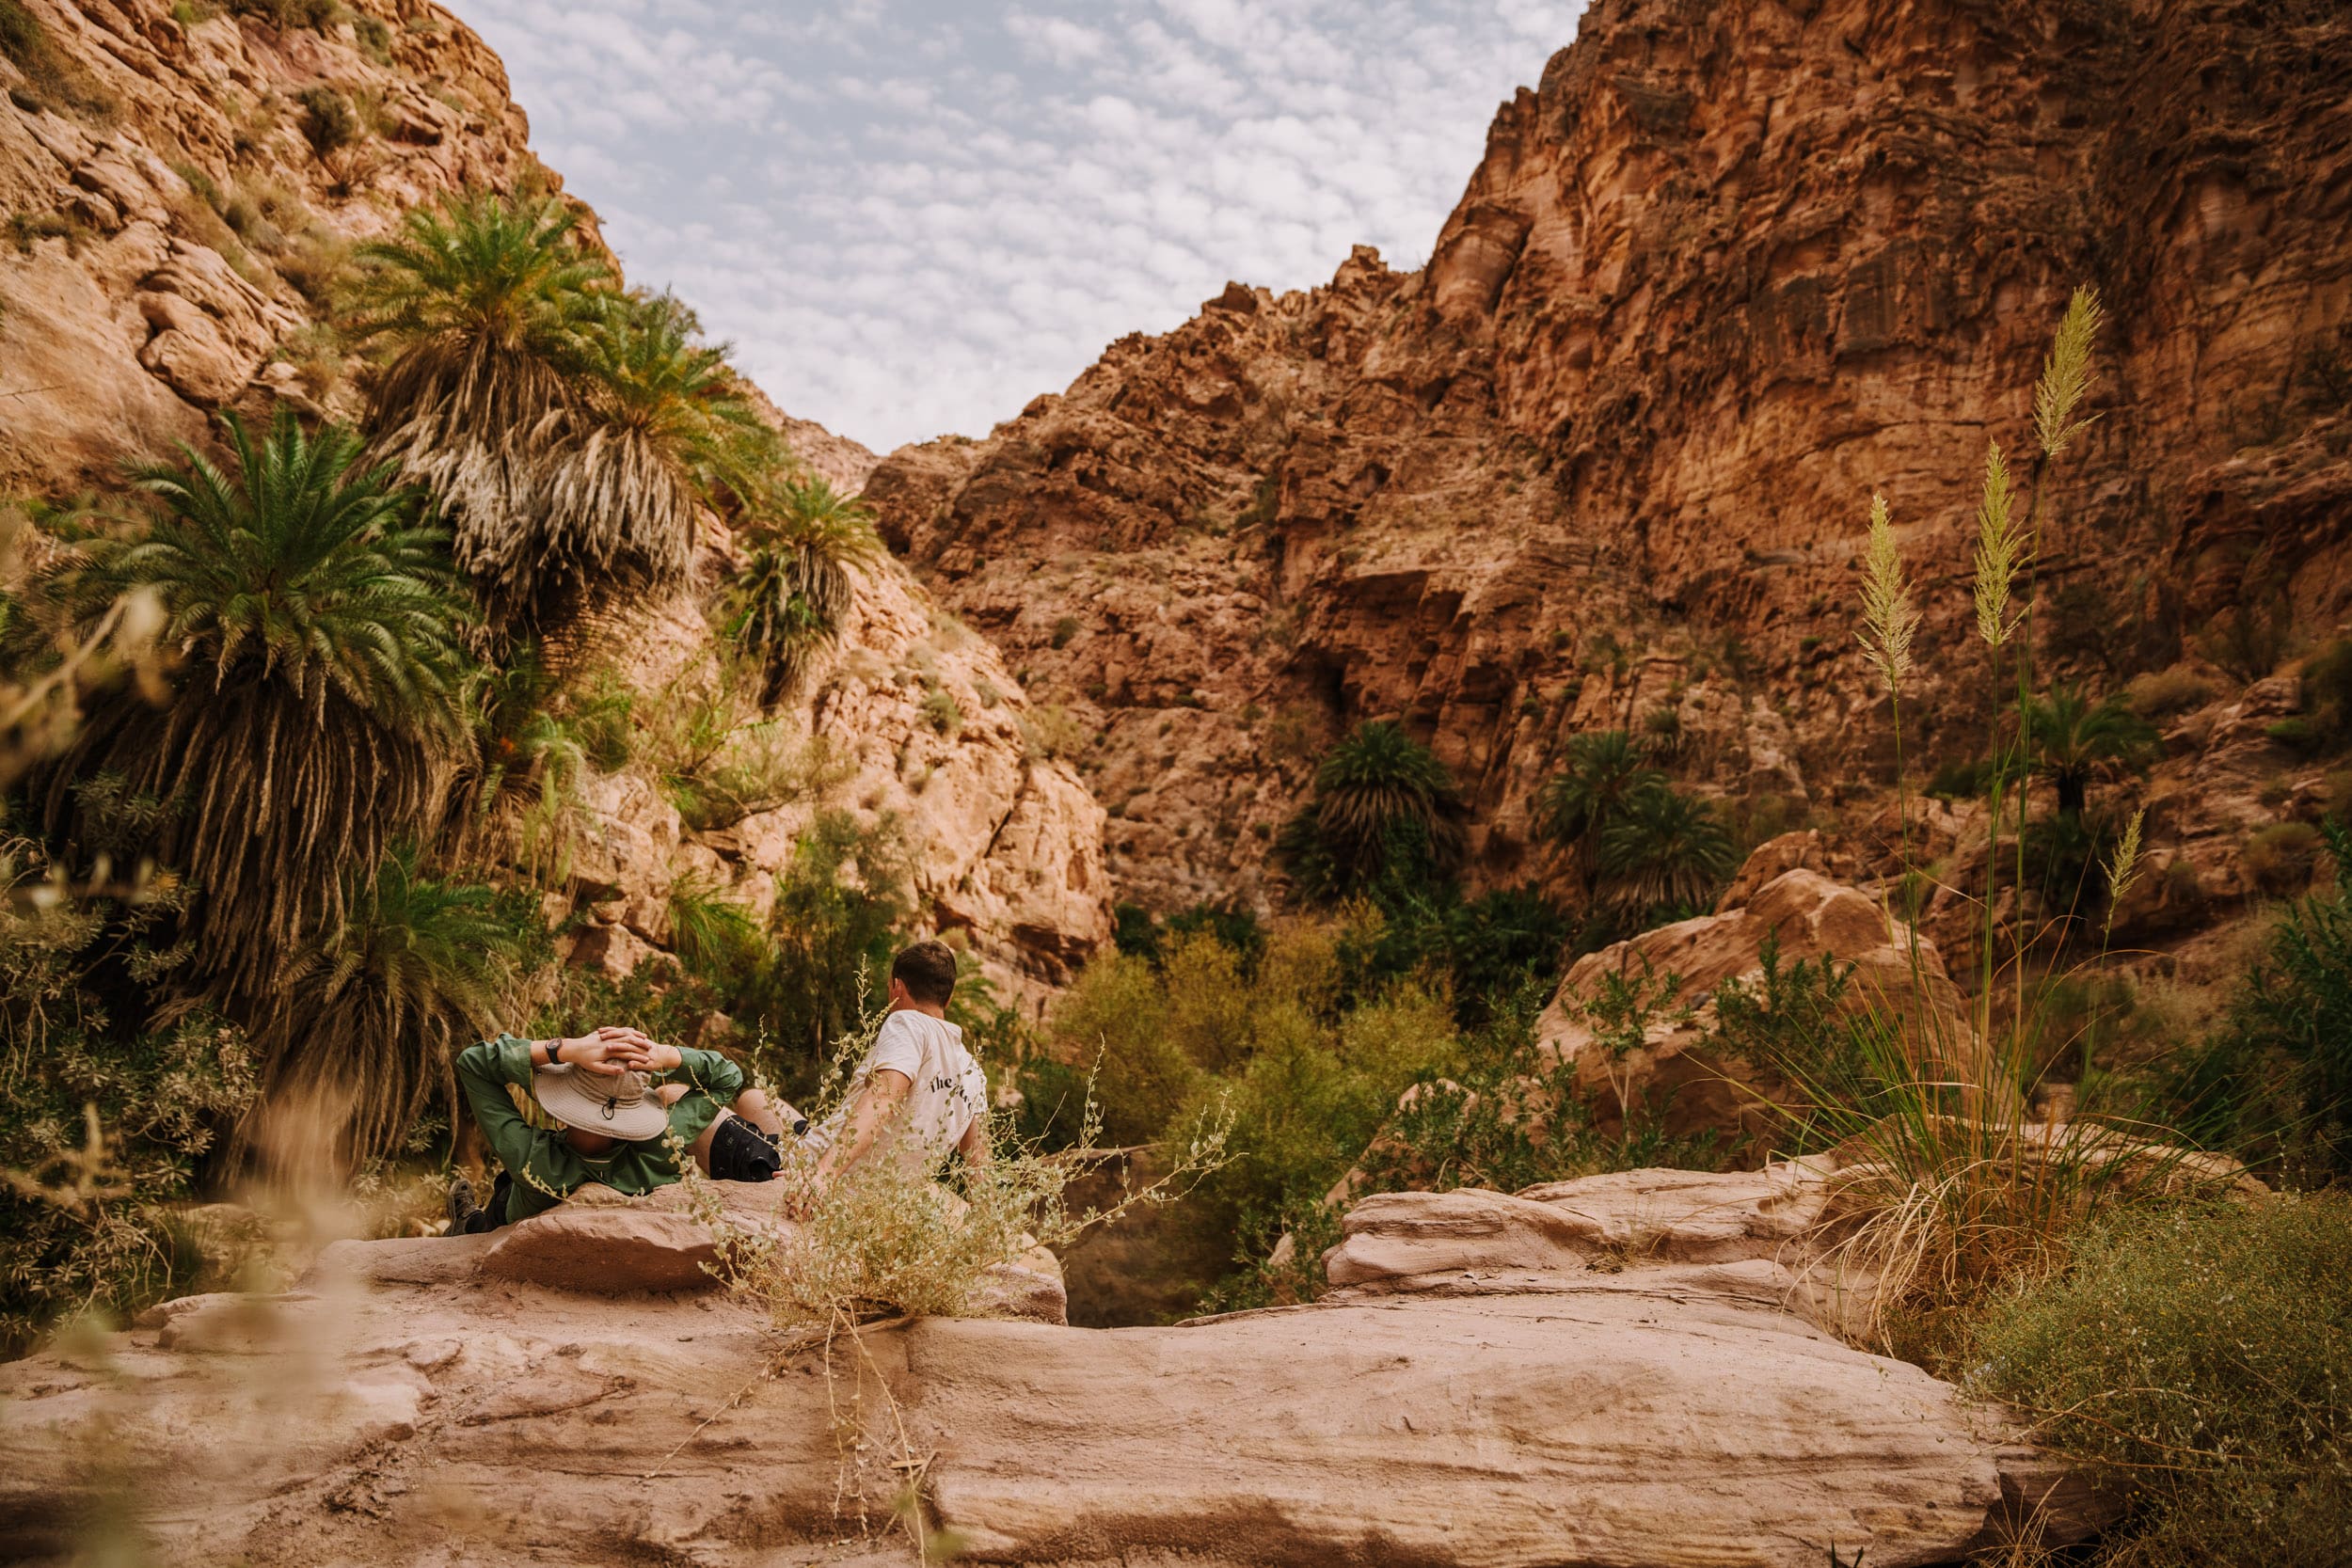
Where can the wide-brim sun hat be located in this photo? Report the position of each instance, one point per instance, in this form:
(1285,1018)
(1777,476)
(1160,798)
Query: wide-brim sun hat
(617,1104)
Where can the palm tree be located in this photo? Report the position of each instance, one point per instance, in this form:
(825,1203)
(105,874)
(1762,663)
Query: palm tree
(316,618)
(1606,772)
(378,1005)
(1664,850)
(486,311)
(664,429)
(792,595)
(1383,804)
(2075,740)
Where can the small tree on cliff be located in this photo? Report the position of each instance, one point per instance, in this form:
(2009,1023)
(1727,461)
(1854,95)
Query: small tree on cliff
(321,692)
(1605,774)
(1384,807)
(662,428)
(2075,740)
(793,593)
(1664,851)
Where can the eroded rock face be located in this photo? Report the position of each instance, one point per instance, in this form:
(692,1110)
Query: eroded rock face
(1602,1372)
(1725,272)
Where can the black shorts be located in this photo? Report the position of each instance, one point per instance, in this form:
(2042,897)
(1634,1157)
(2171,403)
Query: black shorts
(741,1152)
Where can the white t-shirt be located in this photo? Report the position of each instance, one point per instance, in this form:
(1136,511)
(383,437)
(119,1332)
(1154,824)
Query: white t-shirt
(949,1094)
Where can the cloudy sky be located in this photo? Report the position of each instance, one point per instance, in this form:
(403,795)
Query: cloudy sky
(911,216)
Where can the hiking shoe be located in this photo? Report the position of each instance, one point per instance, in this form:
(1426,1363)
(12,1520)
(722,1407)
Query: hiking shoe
(463,1210)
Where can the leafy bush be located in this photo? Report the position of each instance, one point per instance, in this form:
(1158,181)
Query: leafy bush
(2205,1356)
(327,120)
(2162,693)
(2326,691)
(2249,639)
(104,1118)
(2275,1079)
(287,14)
(941,712)
(714,936)
(1053,732)
(1501,1114)
(2066,858)
(2280,858)
(1485,950)
(51,76)
(840,906)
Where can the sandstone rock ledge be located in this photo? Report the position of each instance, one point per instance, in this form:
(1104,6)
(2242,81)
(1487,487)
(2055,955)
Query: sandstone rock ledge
(1536,1380)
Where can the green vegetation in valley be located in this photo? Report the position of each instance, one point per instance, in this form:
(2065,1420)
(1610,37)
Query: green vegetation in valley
(2202,1358)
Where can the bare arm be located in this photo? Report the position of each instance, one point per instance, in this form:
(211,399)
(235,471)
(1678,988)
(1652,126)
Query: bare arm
(884,1094)
(973,1146)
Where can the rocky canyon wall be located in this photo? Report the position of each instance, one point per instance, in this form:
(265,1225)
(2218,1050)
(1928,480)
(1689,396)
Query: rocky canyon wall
(174,227)
(1606,460)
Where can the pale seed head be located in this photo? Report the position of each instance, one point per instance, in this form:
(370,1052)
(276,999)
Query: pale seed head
(2066,373)
(2124,867)
(1889,618)
(1998,550)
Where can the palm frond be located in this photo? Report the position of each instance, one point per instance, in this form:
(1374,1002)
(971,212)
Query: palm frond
(318,627)
(378,1005)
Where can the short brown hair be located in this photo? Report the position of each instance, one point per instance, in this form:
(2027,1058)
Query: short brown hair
(928,970)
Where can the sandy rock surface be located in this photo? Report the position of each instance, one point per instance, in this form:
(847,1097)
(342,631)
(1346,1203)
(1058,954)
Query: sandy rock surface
(1615,1371)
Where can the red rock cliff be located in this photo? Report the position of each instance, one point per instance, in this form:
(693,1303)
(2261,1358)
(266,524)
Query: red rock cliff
(1727,270)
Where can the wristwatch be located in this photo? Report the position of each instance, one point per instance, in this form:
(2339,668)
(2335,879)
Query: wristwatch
(555,1051)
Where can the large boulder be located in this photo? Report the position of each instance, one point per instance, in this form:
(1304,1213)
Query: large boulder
(1620,1371)
(1677,1072)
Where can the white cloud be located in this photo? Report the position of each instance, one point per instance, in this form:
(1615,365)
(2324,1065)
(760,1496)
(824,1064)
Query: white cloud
(911,216)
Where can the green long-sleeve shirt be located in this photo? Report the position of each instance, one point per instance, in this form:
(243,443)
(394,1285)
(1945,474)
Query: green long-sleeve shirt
(544,1165)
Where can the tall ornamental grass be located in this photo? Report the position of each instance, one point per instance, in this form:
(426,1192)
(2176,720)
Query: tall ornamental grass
(1948,1186)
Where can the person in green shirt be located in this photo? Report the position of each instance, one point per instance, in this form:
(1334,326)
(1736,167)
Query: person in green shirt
(619,1097)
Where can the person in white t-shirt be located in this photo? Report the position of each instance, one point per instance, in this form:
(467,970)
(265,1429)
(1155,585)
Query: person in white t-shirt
(919,1090)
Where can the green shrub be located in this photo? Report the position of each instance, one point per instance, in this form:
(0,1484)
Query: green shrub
(941,712)
(1960,780)
(51,77)
(2205,1355)
(104,1122)
(2326,691)
(1501,1114)
(2280,858)
(288,14)
(713,935)
(2275,1080)
(1112,1026)
(840,907)
(327,120)
(2162,693)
